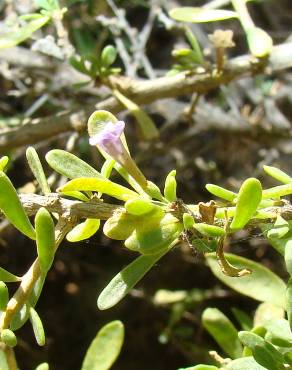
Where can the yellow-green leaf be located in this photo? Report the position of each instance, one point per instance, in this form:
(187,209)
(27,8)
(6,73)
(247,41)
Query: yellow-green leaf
(37,326)
(200,15)
(105,348)
(262,284)
(45,238)
(14,38)
(12,207)
(99,185)
(84,230)
(69,165)
(249,197)
(259,41)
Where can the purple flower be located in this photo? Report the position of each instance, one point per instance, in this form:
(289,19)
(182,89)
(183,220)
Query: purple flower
(109,139)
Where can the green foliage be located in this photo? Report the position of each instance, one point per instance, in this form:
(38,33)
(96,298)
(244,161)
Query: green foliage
(125,280)
(262,285)
(99,185)
(84,230)
(259,42)
(200,15)
(45,239)
(37,326)
(223,331)
(248,200)
(4,296)
(37,169)
(105,348)
(22,33)
(8,338)
(12,207)
(67,164)
(170,186)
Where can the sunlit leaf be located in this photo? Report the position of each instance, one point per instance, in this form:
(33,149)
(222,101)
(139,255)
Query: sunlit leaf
(262,284)
(220,192)
(278,191)
(105,348)
(84,230)
(4,296)
(45,239)
(69,165)
(37,326)
(37,169)
(108,56)
(12,207)
(245,363)
(125,280)
(170,186)
(8,337)
(99,185)
(264,353)
(249,197)
(199,15)
(14,38)
(223,331)
(278,174)
(7,277)
(146,124)
(259,41)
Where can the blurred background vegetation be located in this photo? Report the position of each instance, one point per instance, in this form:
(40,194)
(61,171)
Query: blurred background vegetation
(233,131)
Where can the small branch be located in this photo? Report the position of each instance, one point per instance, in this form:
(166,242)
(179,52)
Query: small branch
(53,202)
(145,92)
(29,279)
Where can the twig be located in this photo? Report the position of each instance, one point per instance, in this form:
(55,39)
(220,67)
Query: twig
(144,92)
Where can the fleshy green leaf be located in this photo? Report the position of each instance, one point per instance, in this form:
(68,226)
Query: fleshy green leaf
(243,318)
(279,332)
(259,41)
(200,15)
(278,174)
(43,366)
(99,185)
(105,348)
(69,165)
(280,229)
(8,337)
(262,284)
(14,38)
(45,239)
(84,230)
(170,187)
(245,363)
(12,207)
(289,301)
(4,296)
(37,326)
(108,56)
(3,162)
(278,244)
(209,230)
(139,206)
(220,192)
(249,197)
(125,280)
(37,169)
(7,277)
(223,331)
(153,238)
(264,353)
(48,4)
(201,367)
(146,124)
(3,361)
(278,191)
(188,221)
